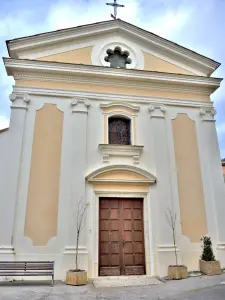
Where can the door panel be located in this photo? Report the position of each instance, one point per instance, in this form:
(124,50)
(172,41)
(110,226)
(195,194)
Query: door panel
(121,238)
(135,270)
(109,238)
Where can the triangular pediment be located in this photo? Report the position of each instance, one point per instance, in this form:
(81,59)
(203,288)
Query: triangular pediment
(77,56)
(88,45)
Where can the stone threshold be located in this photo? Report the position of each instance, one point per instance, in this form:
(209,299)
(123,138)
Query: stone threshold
(116,281)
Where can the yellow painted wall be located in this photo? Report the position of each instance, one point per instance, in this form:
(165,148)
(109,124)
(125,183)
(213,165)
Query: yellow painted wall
(120,174)
(153,63)
(121,187)
(77,56)
(43,193)
(109,89)
(83,56)
(190,188)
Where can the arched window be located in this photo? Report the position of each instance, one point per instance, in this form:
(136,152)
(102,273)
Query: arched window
(119,131)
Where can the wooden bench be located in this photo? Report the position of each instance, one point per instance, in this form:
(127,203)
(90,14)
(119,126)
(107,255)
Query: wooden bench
(27,268)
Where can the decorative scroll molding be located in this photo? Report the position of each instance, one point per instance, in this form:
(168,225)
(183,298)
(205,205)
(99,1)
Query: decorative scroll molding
(19,101)
(109,150)
(80,105)
(207,114)
(157,110)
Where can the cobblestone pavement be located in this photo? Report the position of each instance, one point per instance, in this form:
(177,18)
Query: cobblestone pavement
(199,288)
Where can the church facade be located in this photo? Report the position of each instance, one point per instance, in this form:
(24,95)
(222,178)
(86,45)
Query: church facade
(113,116)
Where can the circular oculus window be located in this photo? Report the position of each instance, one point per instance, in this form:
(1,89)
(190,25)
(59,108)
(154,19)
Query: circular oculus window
(118,55)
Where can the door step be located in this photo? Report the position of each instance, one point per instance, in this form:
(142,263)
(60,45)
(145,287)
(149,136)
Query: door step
(115,281)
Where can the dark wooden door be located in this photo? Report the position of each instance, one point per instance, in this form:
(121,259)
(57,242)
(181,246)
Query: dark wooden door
(121,237)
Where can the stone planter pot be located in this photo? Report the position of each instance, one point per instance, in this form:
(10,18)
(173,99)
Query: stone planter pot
(177,272)
(210,267)
(76,278)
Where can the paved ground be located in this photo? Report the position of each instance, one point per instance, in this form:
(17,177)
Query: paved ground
(207,288)
(213,293)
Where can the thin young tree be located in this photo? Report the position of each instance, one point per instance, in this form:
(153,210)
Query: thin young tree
(172,221)
(80,221)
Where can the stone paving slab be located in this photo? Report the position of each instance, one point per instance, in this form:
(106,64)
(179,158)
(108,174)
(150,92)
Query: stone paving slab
(182,289)
(212,293)
(122,281)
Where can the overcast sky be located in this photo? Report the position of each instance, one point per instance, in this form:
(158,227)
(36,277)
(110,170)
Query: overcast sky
(195,24)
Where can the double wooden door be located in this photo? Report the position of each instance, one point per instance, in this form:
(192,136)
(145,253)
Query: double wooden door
(121,237)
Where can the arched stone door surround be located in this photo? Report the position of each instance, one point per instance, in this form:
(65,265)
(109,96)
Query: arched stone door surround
(120,181)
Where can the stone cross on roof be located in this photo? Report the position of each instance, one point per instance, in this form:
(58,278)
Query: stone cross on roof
(115,5)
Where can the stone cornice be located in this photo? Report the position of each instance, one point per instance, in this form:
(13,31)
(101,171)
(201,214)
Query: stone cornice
(108,150)
(27,43)
(116,98)
(142,85)
(52,37)
(174,47)
(51,71)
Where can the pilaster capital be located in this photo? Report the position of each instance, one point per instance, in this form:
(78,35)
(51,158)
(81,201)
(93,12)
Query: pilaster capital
(19,101)
(80,105)
(157,110)
(207,114)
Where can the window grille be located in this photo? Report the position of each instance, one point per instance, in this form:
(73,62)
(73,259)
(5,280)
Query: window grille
(119,131)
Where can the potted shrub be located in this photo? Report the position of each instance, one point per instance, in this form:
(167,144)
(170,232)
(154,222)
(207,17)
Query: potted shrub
(208,264)
(77,276)
(175,271)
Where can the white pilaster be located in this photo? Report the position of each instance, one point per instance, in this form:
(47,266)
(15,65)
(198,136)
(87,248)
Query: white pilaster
(78,164)
(163,192)
(11,177)
(215,180)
